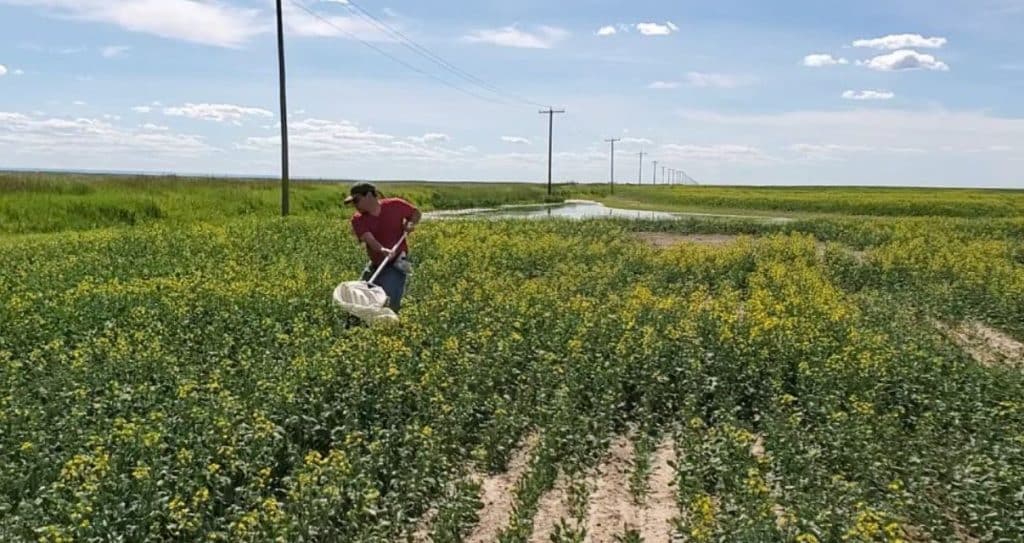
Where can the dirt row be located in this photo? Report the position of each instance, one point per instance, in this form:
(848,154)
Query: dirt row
(610,507)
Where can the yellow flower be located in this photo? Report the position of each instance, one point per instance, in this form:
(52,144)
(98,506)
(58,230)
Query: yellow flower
(140,472)
(26,446)
(806,538)
(213,468)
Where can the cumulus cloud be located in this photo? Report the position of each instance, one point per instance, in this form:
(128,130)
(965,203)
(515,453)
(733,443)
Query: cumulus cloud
(210,23)
(216,112)
(432,137)
(330,140)
(51,136)
(820,60)
(868,95)
(714,153)
(301,23)
(606,31)
(655,29)
(636,141)
(901,41)
(545,37)
(3,70)
(517,140)
(142,109)
(662,85)
(903,60)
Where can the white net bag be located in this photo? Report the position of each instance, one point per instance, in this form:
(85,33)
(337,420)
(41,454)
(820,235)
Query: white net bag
(365,300)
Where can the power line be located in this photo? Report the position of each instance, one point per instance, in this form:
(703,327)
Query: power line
(330,23)
(412,45)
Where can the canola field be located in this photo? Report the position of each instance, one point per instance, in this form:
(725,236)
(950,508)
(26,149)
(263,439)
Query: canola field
(828,379)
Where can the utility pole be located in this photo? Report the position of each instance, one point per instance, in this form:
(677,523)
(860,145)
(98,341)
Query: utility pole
(551,124)
(612,141)
(284,114)
(654,174)
(640,176)
(662,174)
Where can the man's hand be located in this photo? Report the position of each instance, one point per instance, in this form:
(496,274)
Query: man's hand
(410,226)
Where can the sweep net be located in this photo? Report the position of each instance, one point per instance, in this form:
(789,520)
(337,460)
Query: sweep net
(364,300)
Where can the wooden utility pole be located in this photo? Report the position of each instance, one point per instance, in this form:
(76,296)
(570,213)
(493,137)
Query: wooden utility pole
(612,141)
(551,124)
(640,176)
(284,113)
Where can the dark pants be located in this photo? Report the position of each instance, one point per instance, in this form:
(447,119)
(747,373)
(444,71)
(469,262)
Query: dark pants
(392,280)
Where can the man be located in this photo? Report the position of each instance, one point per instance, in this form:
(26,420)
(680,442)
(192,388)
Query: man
(379,223)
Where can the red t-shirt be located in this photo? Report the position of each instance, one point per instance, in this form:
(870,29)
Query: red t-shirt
(386,227)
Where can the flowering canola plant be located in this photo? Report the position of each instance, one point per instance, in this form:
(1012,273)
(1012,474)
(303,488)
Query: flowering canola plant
(195,383)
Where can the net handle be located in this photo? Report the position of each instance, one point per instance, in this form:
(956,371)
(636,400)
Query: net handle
(386,259)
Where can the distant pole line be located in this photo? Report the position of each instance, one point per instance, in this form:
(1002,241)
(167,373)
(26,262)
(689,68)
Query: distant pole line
(654,173)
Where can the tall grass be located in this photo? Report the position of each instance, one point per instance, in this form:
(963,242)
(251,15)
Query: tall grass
(872,201)
(40,203)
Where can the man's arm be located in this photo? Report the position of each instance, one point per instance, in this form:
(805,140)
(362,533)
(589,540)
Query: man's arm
(373,244)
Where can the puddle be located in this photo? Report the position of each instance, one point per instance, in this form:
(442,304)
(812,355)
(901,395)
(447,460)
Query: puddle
(579,209)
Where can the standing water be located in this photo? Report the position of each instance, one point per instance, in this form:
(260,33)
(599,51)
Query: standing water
(577,209)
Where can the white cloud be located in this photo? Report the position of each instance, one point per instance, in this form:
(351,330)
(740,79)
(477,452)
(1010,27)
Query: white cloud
(544,38)
(301,23)
(3,70)
(110,117)
(901,41)
(432,137)
(663,85)
(714,153)
(827,151)
(868,95)
(142,109)
(331,140)
(606,31)
(884,130)
(78,103)
(672,26)
(820,60)
(516,140)
(722,81)
(654,29)
(904,59)
(216,112)
(209,23)
(84,137)
(156,127)
(18,72)
(112,51)
(636,141)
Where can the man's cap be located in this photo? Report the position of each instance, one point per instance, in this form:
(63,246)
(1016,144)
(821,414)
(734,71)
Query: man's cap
(360,189)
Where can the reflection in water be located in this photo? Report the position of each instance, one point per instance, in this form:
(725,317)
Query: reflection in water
(577,209)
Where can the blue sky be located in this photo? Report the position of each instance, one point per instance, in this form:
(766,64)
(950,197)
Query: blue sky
(733,92)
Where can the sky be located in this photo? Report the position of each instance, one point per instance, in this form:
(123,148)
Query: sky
(792,92)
